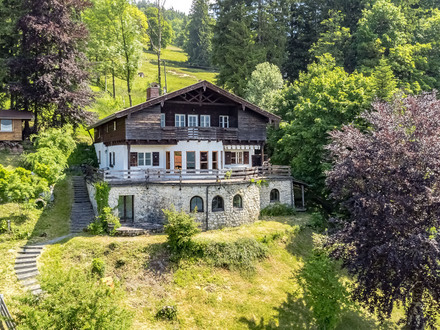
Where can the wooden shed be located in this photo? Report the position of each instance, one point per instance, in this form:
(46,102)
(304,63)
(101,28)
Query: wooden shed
(11,124)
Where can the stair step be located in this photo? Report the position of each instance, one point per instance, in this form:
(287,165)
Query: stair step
(30,253)
(34,287)
(27,270)
(29,282)
(34,247)
(27,275)
(26,265)
(37,292)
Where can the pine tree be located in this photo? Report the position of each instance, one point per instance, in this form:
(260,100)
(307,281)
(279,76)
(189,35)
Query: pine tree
(49,72)
(198,45)
(234,50)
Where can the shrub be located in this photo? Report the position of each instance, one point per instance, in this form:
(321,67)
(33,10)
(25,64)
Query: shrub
(277,209)
(104,222)
(167,313)
(19,185)
(101,195)
(48,164)
(323,291)
(98,267)
(56,139)
(73,300)
(317,221)
(3,226)
(180,228)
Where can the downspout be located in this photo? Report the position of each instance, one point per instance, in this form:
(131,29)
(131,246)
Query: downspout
(207,207)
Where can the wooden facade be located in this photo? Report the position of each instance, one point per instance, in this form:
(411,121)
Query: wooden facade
(11,124)
(153,122)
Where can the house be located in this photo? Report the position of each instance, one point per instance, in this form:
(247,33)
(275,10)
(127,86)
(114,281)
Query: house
(11,124)
(199,148)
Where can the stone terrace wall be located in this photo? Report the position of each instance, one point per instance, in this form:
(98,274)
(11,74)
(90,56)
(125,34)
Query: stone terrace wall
(150,199)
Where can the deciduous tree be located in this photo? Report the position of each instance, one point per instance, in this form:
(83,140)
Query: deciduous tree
(387,179)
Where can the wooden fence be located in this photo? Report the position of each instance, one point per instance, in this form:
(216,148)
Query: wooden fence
(6,321)
(159,175)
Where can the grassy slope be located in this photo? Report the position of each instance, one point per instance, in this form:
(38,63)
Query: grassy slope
(205,296)
(178,76)
(31,226)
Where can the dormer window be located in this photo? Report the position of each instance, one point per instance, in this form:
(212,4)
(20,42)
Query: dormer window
(224,121)
(179,120)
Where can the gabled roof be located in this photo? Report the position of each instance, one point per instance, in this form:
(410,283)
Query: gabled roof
(202,84)
(14,114)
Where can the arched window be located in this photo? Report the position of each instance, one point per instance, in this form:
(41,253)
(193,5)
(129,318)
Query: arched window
(274,196)
(196,201)
(217,204)
(237,202)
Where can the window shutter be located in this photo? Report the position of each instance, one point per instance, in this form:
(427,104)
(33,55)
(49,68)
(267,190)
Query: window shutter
(246,157)
(133,159)
(155,159)
(227,158)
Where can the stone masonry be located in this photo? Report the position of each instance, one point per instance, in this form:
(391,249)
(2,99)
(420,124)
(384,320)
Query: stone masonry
(150,199)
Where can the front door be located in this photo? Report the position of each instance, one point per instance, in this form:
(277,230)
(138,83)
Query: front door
(126,208)
(168,160)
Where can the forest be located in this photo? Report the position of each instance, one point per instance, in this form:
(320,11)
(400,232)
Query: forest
(354,82)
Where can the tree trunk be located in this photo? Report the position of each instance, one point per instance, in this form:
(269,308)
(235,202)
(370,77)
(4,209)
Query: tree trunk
(415,316)
(113,82)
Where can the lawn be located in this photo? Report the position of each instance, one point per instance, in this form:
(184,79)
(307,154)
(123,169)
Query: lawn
(206,296)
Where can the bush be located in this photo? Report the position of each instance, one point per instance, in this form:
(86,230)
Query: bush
(180,228)
(323,291)
(101,195)
(277,209)
(167,313)
(73,300)
(104,222)
(3,226)
(19,185)
(98,267)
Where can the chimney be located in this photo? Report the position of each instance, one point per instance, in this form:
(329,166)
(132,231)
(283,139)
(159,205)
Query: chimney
(153,91)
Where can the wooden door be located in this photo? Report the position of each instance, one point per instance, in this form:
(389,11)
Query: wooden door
(168,160)
(177,160)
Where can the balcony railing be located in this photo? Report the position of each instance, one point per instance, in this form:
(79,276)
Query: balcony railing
(164,175)
(199,133)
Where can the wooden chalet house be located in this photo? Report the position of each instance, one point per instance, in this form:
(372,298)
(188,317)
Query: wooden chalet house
(11,124)
(176,148)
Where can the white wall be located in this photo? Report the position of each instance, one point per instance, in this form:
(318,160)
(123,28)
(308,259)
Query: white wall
(121,156)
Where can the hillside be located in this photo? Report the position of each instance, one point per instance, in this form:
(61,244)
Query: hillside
(178,75)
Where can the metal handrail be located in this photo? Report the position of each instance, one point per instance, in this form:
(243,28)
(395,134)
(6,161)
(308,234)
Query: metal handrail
(5,316)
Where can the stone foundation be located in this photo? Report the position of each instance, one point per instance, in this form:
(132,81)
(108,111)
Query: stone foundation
(151,198)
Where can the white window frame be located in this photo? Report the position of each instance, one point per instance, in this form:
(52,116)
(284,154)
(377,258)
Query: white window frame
(3,126)
(162,120)
(224,121)
(196,117)
(145,157)
(179,119)
(205,120)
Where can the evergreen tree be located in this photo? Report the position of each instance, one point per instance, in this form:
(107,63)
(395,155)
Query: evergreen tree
(49,72)
(198,45)
(383,81)
(234,50)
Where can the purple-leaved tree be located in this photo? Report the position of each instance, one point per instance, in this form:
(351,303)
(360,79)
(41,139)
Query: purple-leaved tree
(48,74)
(388,180)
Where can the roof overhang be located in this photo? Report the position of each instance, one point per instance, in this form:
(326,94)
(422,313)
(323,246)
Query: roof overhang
(14,114)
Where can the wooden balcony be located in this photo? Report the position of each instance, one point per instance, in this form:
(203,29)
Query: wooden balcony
(199,133)
(193,176)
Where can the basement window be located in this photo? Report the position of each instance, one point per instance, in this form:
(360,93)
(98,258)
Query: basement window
(217,204)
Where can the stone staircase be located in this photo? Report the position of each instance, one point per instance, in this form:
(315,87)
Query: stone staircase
(82,212)
(26,267)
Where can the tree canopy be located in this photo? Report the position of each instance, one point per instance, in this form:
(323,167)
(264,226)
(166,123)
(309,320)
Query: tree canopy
(386,178)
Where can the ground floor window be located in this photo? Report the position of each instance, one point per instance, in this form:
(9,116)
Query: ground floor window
(196,201)
(217,204)
(190,160)
(237,202)
(6,125)
(203,160)
(274,196)
(125,208)
(177,160)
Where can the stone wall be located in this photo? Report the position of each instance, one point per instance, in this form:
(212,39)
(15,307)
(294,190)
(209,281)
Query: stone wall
(150,199)
(92,191)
